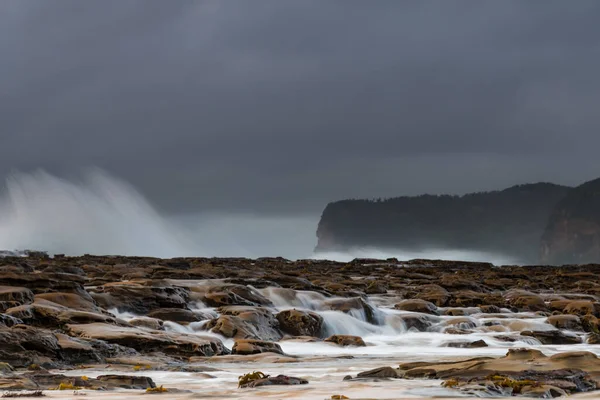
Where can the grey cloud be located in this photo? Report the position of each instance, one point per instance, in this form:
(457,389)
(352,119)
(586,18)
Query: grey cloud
(281,106)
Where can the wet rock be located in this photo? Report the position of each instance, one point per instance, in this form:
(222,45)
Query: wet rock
(16,295)
(178,315)
(417,305)
(582,308)
(419,322)
(127,381)
(242,322)
(300,323)
(147,322)
(434,294)
(39,282)
(454,282)
(383,372)
(13,382)
(451,330)
(523,300)
(356,307)
(277,380)
(590,323)
(490,309)
(376,287)
(470,298)
(346,340)
(456,312)
(43,313)
(552,337)
(140,297)
(21,346)
(249,346)
(147,341)
(227,295)
(570,322)
(467,345)
(9,320)
(77,351)
(70,300)
(593,338)
(543,392)
(63,269)
(460,322)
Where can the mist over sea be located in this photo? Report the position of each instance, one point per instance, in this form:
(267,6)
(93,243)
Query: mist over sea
(102,214)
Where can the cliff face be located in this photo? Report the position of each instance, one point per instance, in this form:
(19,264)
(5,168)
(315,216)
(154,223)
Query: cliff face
(572,235)
(510,221)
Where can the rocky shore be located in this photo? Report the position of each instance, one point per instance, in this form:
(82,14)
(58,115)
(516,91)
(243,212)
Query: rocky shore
(235,326)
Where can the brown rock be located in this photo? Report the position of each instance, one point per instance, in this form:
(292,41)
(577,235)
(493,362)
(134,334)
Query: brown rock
(417,305)
(43,313)
(176,315)
(277,380)
(590,324)
(383,372)
(300,323)
(552,337)
(570,322)
(249,346)
(16,295)
(525,301)
(226,295)
(468,345)
(355,306)
(140,297)
(127,381)
(490,309)
(434,294)
(419,322)
(147,322)
(346,340)
(582,307)
(147,341)
(70,300)
(243,322)
(40,282)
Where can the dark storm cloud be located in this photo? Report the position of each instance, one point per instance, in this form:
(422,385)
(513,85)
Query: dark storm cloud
(284,105)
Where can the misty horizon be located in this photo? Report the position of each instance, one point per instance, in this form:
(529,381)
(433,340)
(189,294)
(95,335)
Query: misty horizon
(102,215)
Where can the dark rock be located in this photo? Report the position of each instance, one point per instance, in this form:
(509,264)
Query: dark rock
(468,345)
(140,298)
(249,346)
(383,372)
(243,322)
(176,315)
(552,337)
(356,306)
(227,295)
(277,380)
(417,305)
(128,381)
(346,340)
(147,341)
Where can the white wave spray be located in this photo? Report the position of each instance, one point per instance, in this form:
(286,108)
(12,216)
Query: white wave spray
(102,215)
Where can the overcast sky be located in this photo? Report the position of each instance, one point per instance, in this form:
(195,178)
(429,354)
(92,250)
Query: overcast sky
(281,106)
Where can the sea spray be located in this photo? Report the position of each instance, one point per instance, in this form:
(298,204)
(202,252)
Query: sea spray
(100,215)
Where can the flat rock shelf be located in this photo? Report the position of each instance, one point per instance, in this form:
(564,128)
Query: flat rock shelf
(270,328)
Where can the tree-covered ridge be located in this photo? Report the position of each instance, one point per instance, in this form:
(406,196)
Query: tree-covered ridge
(510,221)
